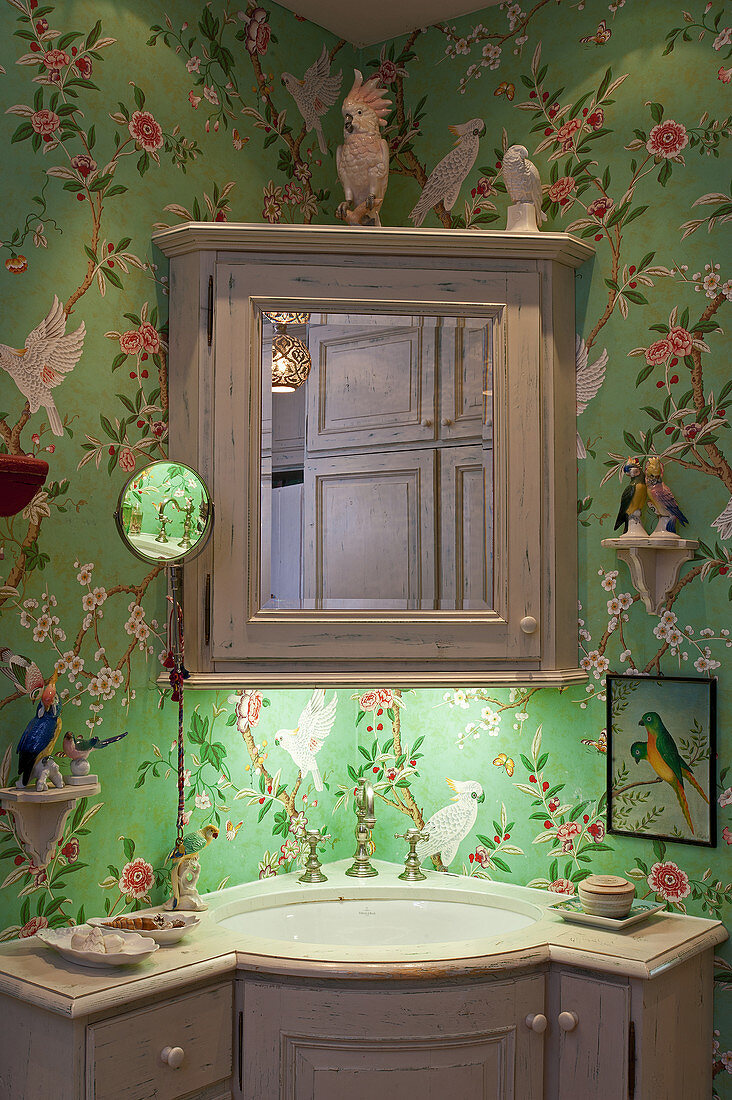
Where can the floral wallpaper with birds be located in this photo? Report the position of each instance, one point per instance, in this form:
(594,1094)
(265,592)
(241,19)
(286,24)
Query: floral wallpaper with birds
(120,118)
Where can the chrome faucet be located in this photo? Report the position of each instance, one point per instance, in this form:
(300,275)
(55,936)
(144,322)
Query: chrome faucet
(363,804)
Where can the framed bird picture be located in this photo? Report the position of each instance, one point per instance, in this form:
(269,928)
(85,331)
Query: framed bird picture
(661,758)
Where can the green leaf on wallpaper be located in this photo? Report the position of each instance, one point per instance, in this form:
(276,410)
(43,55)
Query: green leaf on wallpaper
(636,213)
(540,763)
(500,864)
(632,442)
(361,714)
(365,753)
(659,849)
(636,298)
(665,174)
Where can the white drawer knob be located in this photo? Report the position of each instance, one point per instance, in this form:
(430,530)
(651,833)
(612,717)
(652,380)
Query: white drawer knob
(536,1022)
(528,624)
(426,423)
(447,422)
(173,1056)
(568,1021)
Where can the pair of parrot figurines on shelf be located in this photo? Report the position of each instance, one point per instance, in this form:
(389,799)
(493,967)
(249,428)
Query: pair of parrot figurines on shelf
(36,763)
(647,487)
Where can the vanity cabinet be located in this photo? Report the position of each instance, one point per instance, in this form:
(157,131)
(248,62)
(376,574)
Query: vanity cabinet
(436,521)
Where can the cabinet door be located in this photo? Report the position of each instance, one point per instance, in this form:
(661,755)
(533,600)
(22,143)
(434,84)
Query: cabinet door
(328,1043)
(466,527)
(466,379)
(592,1057)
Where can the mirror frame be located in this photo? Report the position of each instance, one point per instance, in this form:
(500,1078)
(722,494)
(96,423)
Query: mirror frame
(200,544)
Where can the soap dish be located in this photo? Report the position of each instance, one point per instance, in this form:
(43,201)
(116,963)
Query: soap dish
(572,911)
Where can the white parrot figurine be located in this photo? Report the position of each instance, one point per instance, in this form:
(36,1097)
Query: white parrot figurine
(450,825)
(445,180)
(48,355)
(590,376)
(302,743)
(315,93)
(522,179)
(363,158)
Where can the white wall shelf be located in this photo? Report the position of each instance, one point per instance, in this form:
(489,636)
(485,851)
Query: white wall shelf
(654,565)
(40,816)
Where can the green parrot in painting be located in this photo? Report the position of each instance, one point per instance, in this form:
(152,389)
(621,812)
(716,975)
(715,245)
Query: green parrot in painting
(661,753)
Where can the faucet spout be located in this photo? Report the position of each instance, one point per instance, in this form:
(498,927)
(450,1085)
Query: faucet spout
(365,804)
(364,807)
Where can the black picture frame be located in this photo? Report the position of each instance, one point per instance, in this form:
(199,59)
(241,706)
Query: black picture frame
(641,802)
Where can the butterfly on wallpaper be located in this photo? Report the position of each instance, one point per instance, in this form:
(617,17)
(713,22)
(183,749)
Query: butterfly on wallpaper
(601,35)
(503,761)
(600,744)
(504,88)
(232,830)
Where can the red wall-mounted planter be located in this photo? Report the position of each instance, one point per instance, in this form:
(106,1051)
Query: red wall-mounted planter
(21,476)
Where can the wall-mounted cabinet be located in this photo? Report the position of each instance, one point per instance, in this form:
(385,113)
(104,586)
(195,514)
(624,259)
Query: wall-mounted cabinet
(410,509)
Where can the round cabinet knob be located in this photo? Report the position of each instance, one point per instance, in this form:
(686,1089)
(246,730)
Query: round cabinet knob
(426,423)
(172,1056)
(528,624)
(568,1020)
(447,422)
(536,1022)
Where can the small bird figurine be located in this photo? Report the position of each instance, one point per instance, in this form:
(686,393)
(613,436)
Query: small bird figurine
(185,853)
(661,753)
(363,158)
(39,737)
(522,180)
(49,354)
(448,826)
(662,499)
(302,743)
(632,500)
(446,178)
(77,750)
(315,93)
(23,673)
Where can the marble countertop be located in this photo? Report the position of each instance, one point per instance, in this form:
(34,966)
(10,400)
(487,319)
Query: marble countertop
(32,972)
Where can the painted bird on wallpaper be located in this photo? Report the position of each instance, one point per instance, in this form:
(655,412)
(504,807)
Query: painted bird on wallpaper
(522,179)
(363,158)
(315,93)
(632,500)
(445,180)
(49,354)
(186,850)
(302,743)
(23,673)
(39,736)
(590,376)
(452,823)
(662,499)
(661,753)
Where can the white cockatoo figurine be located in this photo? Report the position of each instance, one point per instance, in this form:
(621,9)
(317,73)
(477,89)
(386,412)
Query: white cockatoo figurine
(450,825)
(363,158)
(315,93)
(302,743)
(523,184)
(446,178)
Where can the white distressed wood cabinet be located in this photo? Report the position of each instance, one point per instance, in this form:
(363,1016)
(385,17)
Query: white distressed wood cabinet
(466,430)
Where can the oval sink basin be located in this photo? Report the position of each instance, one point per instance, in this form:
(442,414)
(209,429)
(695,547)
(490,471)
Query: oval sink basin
(370,922)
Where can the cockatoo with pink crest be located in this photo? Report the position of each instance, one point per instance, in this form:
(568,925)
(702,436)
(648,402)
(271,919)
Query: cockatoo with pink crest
(49,354)
(445,180)
(363,159)
(450,825)
(302,743)
(315,93)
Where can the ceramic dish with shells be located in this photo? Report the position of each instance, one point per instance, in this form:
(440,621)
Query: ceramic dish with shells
(93,947)
(163,927)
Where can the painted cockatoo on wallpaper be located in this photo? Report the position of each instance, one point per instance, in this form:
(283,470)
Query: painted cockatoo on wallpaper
(49,354)
(522,180)
(315,93)
(445,180)
(363,158)
(590,376)
(450,825)
(302,743)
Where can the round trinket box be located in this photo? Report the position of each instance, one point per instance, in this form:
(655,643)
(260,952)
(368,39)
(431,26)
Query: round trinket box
(606,896)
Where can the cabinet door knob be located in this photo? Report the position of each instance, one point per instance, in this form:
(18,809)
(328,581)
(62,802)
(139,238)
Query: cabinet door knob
(536,1022)
(447,422)
(568,1020)
(426,423)
(528,624)
(172,1056)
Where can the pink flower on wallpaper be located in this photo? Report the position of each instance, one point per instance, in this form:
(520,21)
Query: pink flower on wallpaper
(481,856)
(271,209)
(725,75)
(126,459)
(562,886)
(568,830)
(84,67)
(131,342)
(32,926)
(150,337)
(680,341)
(600,207)
(247,709)
(387,72)
(136,879)
(566,132)
(45,121)
(667,139)
(84,164)
(727,834)
(146,131)
(562,189)
(386,696)
(194,99)
(193,64)
(596,119)
(71,850)
(658,352)
(668,880)
(293,193)
(54,59)
(258,32)
(596,831)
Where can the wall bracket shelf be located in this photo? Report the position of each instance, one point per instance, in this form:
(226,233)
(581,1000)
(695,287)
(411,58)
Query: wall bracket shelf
(40,816)
(654,565)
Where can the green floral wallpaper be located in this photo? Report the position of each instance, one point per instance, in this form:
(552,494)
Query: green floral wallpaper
(118,118)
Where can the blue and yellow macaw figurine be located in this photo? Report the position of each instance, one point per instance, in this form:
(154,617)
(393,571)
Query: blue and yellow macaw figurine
(661,753)
(38,740)
(185,852)
(662,499)
(632,500)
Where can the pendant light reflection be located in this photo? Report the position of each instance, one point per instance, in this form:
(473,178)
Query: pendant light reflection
(291,360)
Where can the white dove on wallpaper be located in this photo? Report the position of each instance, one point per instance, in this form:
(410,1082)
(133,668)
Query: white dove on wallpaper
(445,180)
(590,377)
(315,93)
(302,743)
